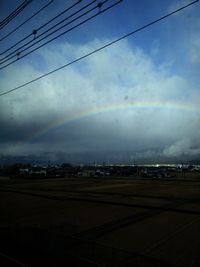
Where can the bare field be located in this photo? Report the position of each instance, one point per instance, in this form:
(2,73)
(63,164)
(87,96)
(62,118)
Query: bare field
(100,222)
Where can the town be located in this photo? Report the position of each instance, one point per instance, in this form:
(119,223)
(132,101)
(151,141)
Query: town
(20,170)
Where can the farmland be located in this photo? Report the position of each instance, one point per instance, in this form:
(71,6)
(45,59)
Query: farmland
(100,222)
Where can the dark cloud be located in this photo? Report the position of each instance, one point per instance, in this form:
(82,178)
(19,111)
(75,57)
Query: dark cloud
(107,113)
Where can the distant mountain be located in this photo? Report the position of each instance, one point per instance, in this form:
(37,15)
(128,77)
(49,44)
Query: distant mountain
(194,162)
(8,160)
(150,156)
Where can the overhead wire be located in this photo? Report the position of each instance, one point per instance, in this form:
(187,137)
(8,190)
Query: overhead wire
(20,25)
(99,49)
(12,13)
(41,27)
(72,28)
(13,54)
(15,13)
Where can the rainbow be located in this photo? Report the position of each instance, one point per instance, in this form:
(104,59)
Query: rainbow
(92,111)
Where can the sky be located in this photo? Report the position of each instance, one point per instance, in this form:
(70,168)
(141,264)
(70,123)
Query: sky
(135,101)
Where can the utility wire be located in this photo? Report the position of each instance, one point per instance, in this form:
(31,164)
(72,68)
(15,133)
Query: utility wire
(58,15)
(16,12)
(99,49)
(35,14)
(54,38)
(13,54)
(42,26)
(13,12)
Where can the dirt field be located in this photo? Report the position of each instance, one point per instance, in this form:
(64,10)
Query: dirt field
(100,222)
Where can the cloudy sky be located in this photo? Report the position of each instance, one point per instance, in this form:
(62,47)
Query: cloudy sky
(136,100)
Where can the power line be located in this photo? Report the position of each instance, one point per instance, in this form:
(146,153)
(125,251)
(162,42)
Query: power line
(58,15)
(16,12)
(84,21)
(13,12)
(35,14)
(42,26)
(9,56)
(99,49)
(9,19)
(54,38)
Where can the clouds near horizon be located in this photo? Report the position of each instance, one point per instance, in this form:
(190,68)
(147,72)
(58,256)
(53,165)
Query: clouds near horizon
(120,76)
(123,98)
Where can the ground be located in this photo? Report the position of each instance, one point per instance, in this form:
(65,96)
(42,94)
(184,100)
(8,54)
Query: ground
(100,222)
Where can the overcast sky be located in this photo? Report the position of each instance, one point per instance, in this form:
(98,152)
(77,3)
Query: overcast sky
(138,99)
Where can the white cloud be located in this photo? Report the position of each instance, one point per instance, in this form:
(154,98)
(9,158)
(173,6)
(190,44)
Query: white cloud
(176,4)
(194,52)
(119,76)
(181,148)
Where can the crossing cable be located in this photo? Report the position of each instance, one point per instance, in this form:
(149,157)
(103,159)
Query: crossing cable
(35,14)
(54,38)
(13,12)
(13,54)
(99,49)
(41,27)
(16,12)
